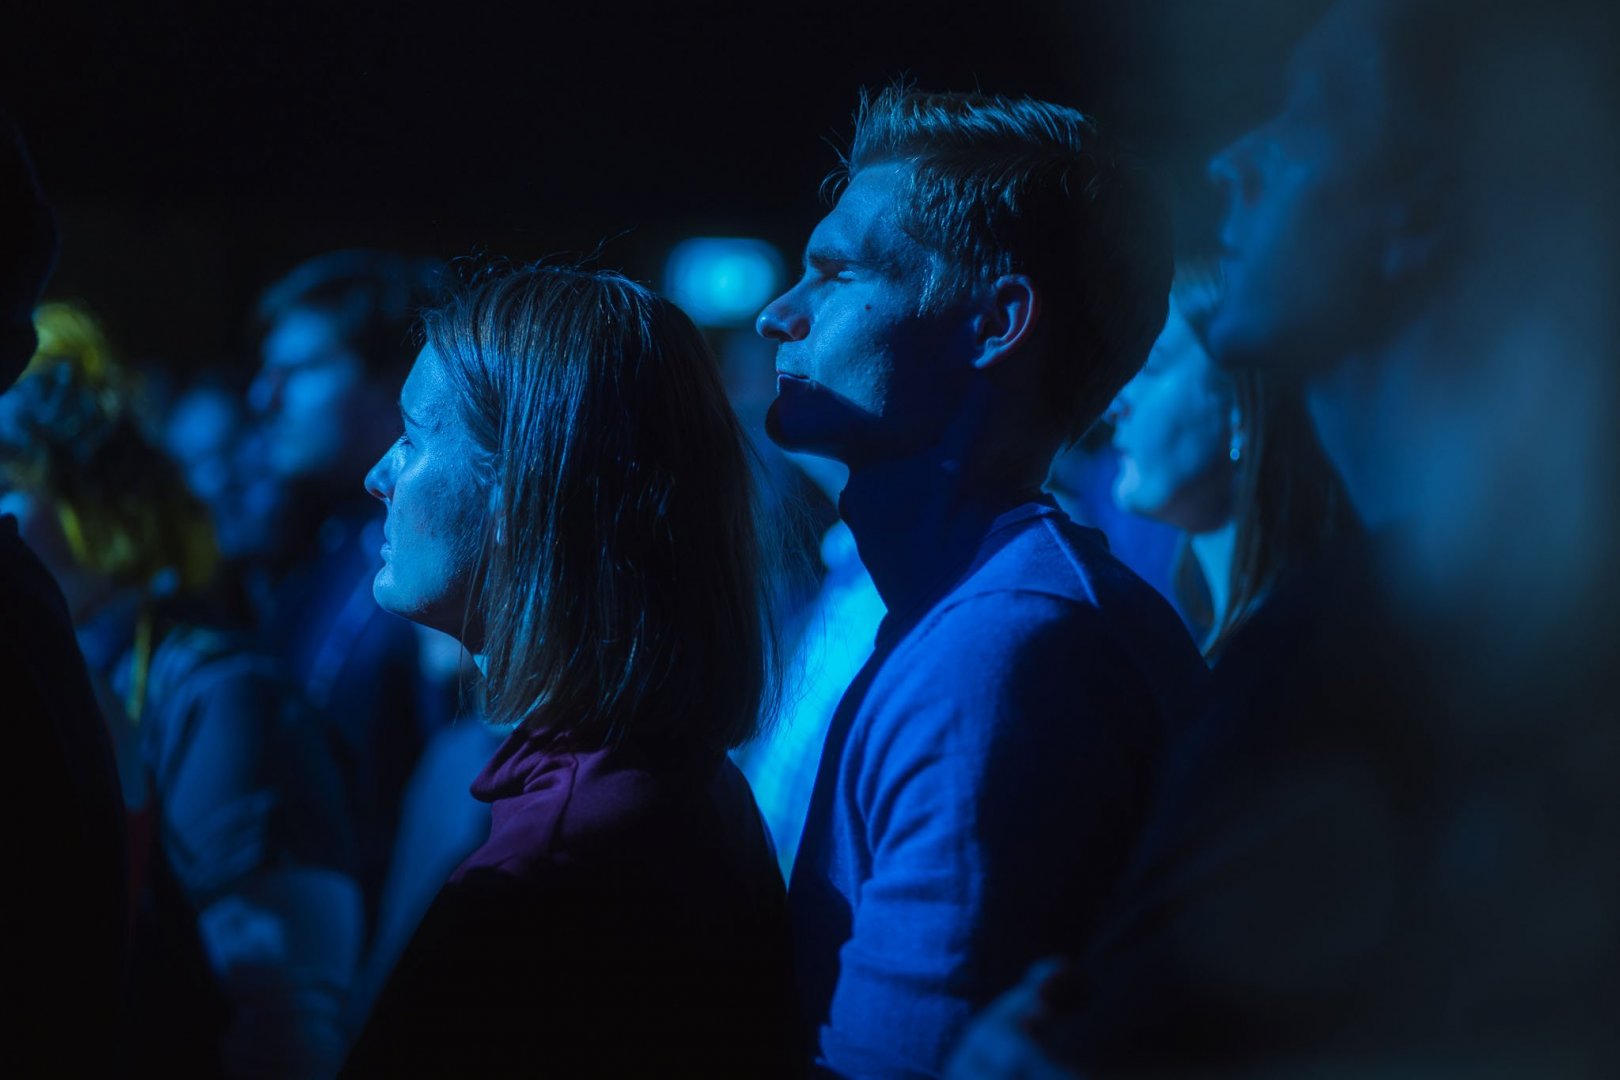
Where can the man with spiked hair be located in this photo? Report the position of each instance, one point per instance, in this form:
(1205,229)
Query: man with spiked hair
(991,274)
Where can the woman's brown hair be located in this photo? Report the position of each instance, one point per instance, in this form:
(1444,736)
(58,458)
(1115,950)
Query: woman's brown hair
(623,598)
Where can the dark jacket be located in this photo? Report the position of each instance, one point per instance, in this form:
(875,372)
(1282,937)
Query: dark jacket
(625,917)
(66,865)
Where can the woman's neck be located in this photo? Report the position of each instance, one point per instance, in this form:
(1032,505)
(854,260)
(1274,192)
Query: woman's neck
(1214,551)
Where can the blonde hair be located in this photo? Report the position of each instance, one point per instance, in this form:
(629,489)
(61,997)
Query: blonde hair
(73,438)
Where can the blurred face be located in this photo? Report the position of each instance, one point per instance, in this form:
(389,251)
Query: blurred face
(1305,214)
(437,510)
(225,461)
(862,373)
(315,398)
(201,437)
(1173,429)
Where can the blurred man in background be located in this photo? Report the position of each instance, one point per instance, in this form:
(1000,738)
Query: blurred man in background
(1388,846)
(336,347)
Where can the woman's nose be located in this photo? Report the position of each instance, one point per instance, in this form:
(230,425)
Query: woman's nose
(379,478)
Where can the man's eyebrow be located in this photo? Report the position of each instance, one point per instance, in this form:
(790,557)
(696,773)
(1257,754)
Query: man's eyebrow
(824,254)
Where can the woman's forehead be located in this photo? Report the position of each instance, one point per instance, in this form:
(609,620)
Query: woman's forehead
(427,396)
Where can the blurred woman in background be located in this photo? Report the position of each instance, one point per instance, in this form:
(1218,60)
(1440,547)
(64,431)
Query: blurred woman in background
(1229,459)
(571,498)
(248,924)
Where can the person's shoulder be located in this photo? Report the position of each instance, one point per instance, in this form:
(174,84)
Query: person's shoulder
(981,669)
(30,599)
(1046,627)
(1035,548)
(40,659)
(1325,644)
(198,662)
(586,807)
(1040,582)
(1040,549)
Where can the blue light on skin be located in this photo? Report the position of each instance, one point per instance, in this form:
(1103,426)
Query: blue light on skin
(1173,428)
(722,281)
(863,374)
(1323,251)
(325,419)
(438,514)
(1306,225)
(200,435)
(925,405)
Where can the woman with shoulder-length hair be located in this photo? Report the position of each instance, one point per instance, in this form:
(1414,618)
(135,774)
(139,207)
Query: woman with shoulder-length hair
(571,497)
(1229,458)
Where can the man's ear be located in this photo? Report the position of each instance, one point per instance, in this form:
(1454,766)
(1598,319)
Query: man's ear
(1006,318)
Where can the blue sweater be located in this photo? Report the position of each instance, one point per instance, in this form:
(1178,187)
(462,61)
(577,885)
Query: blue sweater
(982,781)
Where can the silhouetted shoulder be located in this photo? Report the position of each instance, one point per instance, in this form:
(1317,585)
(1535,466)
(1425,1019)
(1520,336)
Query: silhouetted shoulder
(68,867)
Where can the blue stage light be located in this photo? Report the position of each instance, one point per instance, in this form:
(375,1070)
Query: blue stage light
(722,281)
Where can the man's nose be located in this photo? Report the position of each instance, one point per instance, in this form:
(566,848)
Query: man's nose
(1232,170)
(1117,409)
(782,320)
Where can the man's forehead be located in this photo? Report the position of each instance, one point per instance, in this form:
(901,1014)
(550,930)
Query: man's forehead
(1344,56)
(865,224)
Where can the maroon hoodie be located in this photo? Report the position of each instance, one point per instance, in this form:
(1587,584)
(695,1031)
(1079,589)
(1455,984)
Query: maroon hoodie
(625,917)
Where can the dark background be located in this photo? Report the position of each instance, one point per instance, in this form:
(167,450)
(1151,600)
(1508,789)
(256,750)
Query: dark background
(195,151)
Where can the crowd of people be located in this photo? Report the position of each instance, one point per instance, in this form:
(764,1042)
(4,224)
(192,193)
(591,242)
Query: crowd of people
(403,712)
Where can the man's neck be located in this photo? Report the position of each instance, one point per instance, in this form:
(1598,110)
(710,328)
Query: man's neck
(1363,411)
(919,520)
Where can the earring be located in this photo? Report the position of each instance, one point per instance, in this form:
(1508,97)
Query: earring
(1235,450)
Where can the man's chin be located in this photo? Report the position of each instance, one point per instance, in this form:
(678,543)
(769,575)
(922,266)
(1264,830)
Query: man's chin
(1238,343)
(793,428)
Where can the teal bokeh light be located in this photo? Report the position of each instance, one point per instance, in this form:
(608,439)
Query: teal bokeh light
(722,281)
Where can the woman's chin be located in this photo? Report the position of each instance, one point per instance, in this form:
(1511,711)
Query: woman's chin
(390,597)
